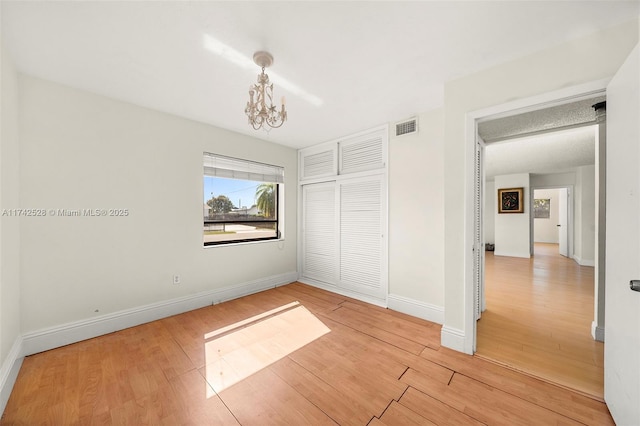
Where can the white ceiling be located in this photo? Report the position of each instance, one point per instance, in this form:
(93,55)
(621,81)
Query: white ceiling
(369,62)
(548,153)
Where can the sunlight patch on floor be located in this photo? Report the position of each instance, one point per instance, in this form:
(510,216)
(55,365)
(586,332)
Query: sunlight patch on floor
(248,346)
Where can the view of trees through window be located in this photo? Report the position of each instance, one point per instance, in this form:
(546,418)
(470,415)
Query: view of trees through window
(237,210)
(541,208)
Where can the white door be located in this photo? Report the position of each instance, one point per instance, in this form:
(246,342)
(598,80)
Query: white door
(622,306)
(362,241)
(563,229)
(478,238)
(319,232)
(343,239)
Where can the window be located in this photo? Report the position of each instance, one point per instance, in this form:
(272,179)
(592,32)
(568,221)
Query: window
(241,200)
(541,208)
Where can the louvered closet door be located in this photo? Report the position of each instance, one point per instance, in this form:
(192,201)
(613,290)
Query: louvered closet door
(362,242)
(362,153)
(478,243)
(318,162)
(319,233)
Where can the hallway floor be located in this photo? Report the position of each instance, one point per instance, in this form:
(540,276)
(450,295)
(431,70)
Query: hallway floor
(538,319)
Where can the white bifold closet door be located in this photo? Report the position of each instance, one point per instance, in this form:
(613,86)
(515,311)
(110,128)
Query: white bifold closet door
(361,235)
(320,232)
(343,234)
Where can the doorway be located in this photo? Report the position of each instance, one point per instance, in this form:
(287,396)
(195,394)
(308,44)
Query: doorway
(502,275)
(552,220)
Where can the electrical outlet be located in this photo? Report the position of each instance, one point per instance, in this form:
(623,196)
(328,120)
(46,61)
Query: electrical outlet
(176,279)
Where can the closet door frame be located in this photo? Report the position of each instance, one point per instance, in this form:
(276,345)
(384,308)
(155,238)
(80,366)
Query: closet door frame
(377,171)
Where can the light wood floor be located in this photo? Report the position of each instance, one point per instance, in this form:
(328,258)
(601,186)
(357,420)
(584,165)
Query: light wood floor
(246,362)
(538,319)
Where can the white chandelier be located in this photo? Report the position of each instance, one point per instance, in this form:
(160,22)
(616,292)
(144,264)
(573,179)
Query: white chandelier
(260,108)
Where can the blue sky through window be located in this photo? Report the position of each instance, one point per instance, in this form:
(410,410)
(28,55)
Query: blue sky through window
(242,193)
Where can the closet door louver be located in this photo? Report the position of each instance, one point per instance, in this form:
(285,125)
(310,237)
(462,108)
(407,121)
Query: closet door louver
(316,163)
(361,239)
(478,237)
(362,153)
(319,242)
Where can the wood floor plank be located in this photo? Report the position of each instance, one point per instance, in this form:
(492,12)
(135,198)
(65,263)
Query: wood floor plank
(361,323)
(496,406)
(485,403)
(400,415)
(265,399)
(197,404)
(189,332)
(374,391)
(582,408)
(434,410)
(328,296)
(384,320)
(343,408)
(552,366)
(365,307)
(359,352)
(367,345)
(538,318)
(313,302)
(556,345)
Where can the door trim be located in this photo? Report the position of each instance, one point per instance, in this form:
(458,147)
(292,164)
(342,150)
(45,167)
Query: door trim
(570,217)
(545,100)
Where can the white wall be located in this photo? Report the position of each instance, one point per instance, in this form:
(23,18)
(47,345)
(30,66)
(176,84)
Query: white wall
(585,204)
(490,204)
(546,230)
(512,233)
(553,179)
(9,226)
(416,215)
(579,61)
(83,151)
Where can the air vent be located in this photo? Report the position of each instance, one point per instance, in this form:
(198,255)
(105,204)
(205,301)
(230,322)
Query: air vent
(407,127)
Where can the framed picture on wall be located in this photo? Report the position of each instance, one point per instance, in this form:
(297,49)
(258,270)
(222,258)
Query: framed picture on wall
(511,200)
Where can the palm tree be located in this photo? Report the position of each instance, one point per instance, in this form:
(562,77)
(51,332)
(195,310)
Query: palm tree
(266,199)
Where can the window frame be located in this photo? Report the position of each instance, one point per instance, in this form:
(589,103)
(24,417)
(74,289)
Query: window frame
(278,194)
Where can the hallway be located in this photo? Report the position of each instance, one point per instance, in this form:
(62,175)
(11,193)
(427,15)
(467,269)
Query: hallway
(538,319)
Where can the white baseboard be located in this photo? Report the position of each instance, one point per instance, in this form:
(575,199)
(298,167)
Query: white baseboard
(345,292)
(583,262)
(525,255)
(53,337)
(455,339)
(416,308)
(9,372)
(597,332)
